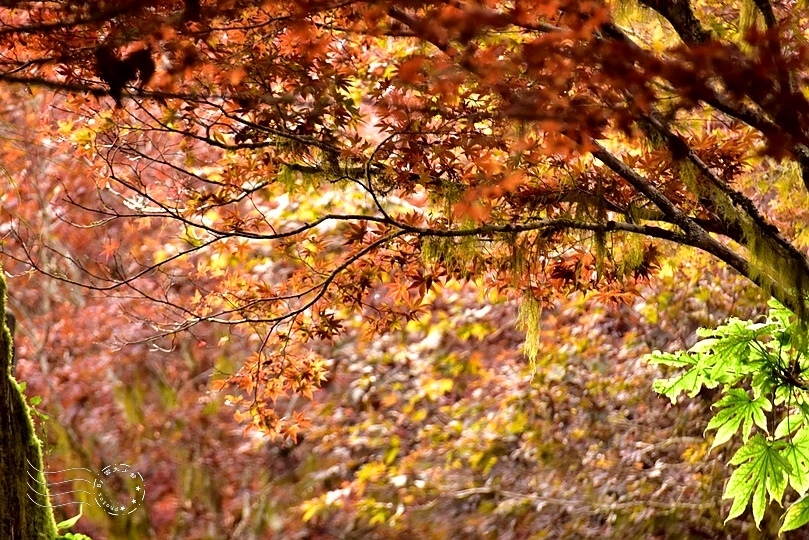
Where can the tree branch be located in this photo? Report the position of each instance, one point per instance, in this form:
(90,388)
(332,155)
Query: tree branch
(765,7)
(577,505)
(99,17)
(682,18)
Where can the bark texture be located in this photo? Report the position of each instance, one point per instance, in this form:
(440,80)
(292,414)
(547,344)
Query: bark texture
(25,512)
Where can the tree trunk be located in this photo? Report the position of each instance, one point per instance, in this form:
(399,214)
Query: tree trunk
(25,513)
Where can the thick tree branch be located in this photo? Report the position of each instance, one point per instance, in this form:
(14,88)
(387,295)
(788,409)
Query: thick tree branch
(696,236)
(765,7)
(99,17)
(53,85)
(680,15)
(682,18)
(677,216)
(679,147)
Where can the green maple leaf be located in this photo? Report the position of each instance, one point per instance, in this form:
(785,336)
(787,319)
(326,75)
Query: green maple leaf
(797,455)
(738,410)
(762,471)
(797,515)
(734,346)
(690,381)
(736,333)
(789,424)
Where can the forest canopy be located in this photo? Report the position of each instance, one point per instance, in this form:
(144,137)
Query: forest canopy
(283,180)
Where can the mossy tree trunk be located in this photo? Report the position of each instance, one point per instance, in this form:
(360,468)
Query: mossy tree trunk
(25,513)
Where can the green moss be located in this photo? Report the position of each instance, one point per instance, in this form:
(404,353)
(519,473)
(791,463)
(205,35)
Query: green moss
(770,264)
(528,317)
(780,274)
(519,263)
(20,516)
(456,254)
(600,240)
(633,251)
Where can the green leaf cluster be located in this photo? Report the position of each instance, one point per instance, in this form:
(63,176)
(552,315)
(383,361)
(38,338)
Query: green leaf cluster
(761,370)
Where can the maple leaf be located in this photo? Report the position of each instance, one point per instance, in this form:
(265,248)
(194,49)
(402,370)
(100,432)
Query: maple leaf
(111,247)
(762,471)
(797,455)
(797,515)
(738,410)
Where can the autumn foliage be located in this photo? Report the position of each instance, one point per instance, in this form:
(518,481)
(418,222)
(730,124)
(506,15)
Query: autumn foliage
(331,219)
